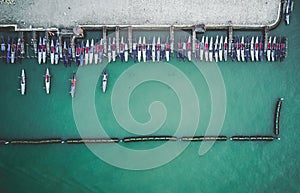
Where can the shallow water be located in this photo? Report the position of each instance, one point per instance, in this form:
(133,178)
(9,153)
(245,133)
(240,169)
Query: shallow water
(251,89)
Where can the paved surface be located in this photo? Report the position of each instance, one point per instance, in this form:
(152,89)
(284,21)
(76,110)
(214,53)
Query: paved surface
(67,13)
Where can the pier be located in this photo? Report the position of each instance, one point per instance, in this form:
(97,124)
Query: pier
(104,37)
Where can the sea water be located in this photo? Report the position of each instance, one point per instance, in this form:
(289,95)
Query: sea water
(251,92)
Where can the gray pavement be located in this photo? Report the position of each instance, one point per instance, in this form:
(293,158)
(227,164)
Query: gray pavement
(69,13)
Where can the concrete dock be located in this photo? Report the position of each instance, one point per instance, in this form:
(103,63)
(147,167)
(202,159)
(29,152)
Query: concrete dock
(68,13)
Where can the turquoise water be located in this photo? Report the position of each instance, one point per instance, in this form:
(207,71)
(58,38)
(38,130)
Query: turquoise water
(251,89)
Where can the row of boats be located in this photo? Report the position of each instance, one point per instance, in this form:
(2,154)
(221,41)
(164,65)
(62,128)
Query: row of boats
(208,49)
(47,77)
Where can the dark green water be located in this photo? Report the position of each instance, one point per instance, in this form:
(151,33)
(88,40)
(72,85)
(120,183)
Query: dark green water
(251,89)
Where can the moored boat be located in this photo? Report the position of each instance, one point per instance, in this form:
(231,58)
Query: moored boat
(139,47)
(56,56)
(22,82)
(144,49)
(252,49)
(40,51)
(44,50)
(73,85)
(122,49)
(273,49)
(210,49)
(104,80)
(256,49)
(86,55)
(91,52)
(153,49)
(201,48)
(238,49)
(52,51)
(158,49)
(47,81)
(206,48)
(167,50)
(189,49)
(96,52)
(261,48)
(216,50)
(225,49)
(221,49)
(269,49)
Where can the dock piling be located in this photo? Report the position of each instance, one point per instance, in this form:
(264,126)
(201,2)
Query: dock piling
(130,39)
(47,42)
(34,42)
(118,39)
(194,40)
(172,39)
(60,46)
(266,38)
(73,47)
(104,40)
(230,38)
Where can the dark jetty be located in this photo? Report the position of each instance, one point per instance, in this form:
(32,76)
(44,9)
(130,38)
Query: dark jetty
(92,140)
(253,138)
(204,138)
(36,141)
(277,116)
(149,138)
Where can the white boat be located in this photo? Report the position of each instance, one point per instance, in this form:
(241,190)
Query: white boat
(126,52)
(243,49)
(134,51)
(12,52)
(221,49)
(184,54)
(273,49)
(91,52)
(238,49)
(158,49)
(288,12)
(52,51)
(225,49)
(269,49)
(22,82)
(109,50)
(216,50)
(202,48)
(139,49)
(47,81)
(73,85)
(252,49)
(167,50)
(96,52)
(56,56)
(104,80)
(206,49)
(153,49)
(86,55)
(44,50)
(101,51)
(189,49)
(40,51)
(197,49)
(256,49)
(122,47)
(114,50)
(144,49)
(163,51)
(210,49)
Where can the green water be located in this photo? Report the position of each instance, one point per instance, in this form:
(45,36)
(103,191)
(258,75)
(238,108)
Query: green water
(251,89)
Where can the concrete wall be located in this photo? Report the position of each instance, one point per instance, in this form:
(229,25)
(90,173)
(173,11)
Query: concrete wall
(67,13)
